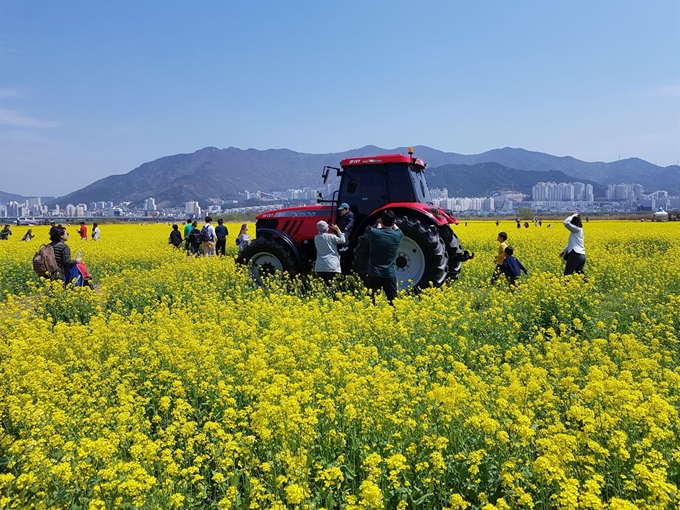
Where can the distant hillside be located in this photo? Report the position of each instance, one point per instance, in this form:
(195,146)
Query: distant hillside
(213,173)
(11,197)
(483,179)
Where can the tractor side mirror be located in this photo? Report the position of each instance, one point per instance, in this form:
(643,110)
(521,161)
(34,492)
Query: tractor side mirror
(326,170)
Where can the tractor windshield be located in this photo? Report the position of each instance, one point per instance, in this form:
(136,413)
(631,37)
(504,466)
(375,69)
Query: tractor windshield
(420,186)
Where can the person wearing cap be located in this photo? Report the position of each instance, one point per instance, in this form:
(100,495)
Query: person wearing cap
(346,220)
(327,257)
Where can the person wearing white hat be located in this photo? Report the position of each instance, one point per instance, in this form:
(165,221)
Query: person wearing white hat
(327,257)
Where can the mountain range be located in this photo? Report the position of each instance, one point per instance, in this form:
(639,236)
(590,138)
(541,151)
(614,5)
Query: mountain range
(216,174)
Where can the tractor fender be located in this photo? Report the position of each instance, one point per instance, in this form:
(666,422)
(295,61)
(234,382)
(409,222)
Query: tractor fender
(285,238)
(414,213)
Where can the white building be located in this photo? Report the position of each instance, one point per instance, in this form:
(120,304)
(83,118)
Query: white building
(150,204)
(465,203)
(563,191)
(192,209)
(624,192)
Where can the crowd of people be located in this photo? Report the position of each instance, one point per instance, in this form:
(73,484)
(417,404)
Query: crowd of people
(208,240)
(381,242)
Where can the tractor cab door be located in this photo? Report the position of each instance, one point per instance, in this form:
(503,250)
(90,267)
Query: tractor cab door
(364,188)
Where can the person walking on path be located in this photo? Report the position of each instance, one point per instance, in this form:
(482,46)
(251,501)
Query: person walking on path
(500,257)
(221,231)
(327,256)
(575,251)
(512,267)
(383,246)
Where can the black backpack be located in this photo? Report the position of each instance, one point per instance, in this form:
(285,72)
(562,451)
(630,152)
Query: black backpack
(205,234)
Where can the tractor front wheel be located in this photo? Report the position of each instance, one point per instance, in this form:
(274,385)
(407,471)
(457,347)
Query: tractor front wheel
(265,256)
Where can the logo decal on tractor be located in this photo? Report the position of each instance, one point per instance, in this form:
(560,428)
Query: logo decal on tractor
(299,214)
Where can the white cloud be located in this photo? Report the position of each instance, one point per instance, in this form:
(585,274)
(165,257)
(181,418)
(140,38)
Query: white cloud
(667,91)
(15,118)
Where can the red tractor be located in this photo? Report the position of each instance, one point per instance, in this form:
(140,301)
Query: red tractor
(429,253)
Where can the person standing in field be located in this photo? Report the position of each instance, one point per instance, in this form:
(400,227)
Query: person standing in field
(327,256)
(500,256)
(208,237)
(175,238)
(242,241)
(512,267)
(221,231)
(83,231)
(96,234)
(187,232)
(575,251)
(383,245)
(28,235)
(5,233)
(194,239)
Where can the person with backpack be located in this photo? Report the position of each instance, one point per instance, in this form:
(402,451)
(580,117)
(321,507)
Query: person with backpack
(194,239)
(62,253)
(221,232)
(208,237)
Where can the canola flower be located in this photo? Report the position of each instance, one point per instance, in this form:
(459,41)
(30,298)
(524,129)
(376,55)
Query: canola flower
(179,384)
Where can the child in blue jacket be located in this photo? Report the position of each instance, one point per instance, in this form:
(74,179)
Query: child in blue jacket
(512,267)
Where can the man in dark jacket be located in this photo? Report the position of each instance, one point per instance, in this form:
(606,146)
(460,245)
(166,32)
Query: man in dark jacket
(383,246)
(221,232)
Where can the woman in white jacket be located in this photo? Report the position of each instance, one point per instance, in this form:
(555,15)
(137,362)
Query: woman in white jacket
(327,255)
(575,252)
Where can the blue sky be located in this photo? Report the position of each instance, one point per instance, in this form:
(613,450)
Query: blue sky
(94,88)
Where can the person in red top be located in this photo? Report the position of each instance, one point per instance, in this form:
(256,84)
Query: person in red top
(83,231)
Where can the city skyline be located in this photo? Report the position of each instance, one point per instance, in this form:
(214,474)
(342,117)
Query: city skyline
(546,197)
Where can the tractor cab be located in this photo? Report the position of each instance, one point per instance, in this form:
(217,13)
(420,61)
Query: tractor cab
(369,183)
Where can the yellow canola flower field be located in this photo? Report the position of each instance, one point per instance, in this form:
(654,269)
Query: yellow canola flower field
(177,383)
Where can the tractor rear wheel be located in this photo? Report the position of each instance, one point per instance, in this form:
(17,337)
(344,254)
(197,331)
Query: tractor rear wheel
(421,259)
(265,256)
